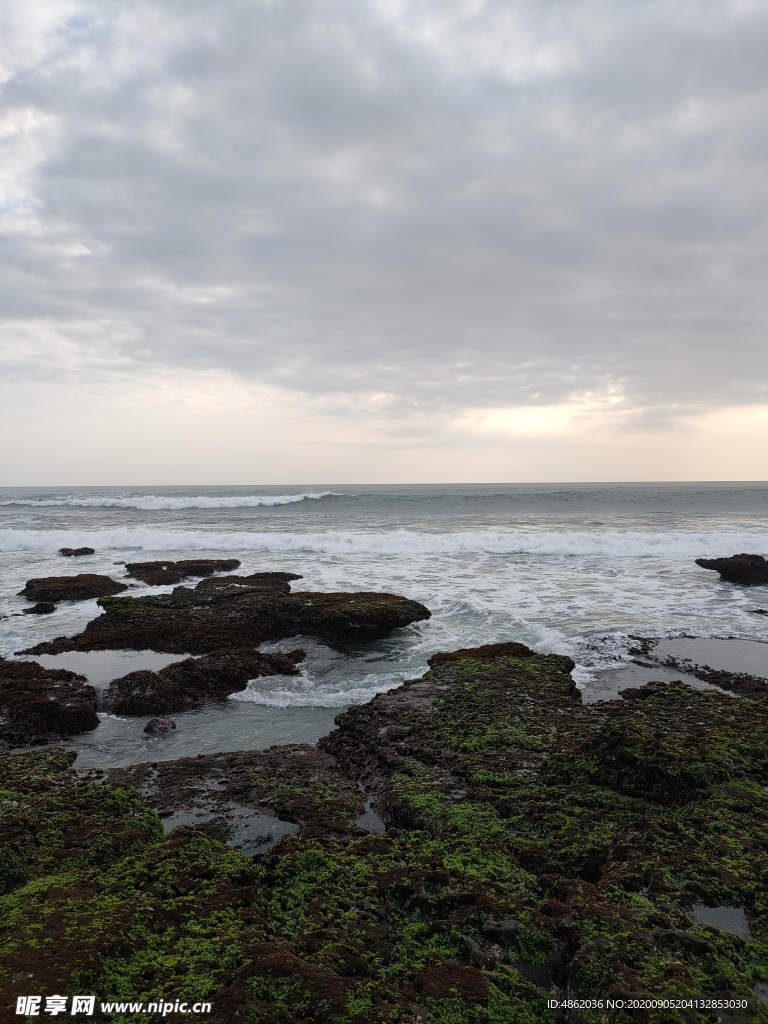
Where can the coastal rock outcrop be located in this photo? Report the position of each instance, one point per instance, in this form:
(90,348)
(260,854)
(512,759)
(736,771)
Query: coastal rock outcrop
(163,573)
(749,570)
(236,612)
(195,681)
(83,587)
(536,849)
(41,705)
(76,552)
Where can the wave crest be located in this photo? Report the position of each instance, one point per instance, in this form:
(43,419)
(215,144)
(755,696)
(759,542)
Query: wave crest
(155,502)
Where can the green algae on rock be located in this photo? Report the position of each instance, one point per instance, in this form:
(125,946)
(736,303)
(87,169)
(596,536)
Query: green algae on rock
(536,849)
(236,612)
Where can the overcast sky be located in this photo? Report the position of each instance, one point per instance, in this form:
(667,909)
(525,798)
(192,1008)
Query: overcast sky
(260,241)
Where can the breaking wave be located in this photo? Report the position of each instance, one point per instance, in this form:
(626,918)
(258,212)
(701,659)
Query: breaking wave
(154,502)
(606,543)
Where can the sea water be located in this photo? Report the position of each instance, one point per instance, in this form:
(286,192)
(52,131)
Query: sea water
(575,569)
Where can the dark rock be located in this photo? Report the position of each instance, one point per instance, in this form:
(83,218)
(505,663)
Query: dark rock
(468,983)
(160,726)
(163,573)
(44,705)
(646,690)
(83,587)
(236,612)
(76,552)
(750,570)
(486,653)
(195,681)
(41,608)
(503,932)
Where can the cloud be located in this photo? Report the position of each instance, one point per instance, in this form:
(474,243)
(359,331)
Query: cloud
(474,208)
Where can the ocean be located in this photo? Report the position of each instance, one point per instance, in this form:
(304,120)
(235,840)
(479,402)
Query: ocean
(574,569)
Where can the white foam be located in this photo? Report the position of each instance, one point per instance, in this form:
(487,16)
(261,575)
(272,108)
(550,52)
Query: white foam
(305,694)
(607,543)
(154,502)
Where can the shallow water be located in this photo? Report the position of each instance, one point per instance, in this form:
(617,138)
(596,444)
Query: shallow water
(231,725)
(728,655)
(726,919)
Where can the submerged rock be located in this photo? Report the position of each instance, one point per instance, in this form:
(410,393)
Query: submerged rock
(43,705)
(536,850)
(160,726)
(235,612)
(195,681)
(82,587)
(41,608)
(76,552)
(750,570)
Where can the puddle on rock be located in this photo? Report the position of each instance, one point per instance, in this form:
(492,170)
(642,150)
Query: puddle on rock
(248,831)
(608,684)
(726,919)
(749,656)
(101,667)
(369,819)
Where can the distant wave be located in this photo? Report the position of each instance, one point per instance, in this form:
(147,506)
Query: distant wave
(152,502)
(607,543)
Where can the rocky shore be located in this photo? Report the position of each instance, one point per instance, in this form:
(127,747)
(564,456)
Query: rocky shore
(234,612)
(466,849)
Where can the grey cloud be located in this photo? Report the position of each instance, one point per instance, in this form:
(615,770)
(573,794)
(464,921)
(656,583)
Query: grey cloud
(459,204)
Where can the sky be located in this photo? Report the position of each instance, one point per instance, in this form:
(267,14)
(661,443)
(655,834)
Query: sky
(276,241)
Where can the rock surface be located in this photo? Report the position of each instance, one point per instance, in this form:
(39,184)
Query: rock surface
(195,681)
(536,849)
(750,570)
(235,612)
(76,552)
(82,587)
(41,705)
(164,573)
